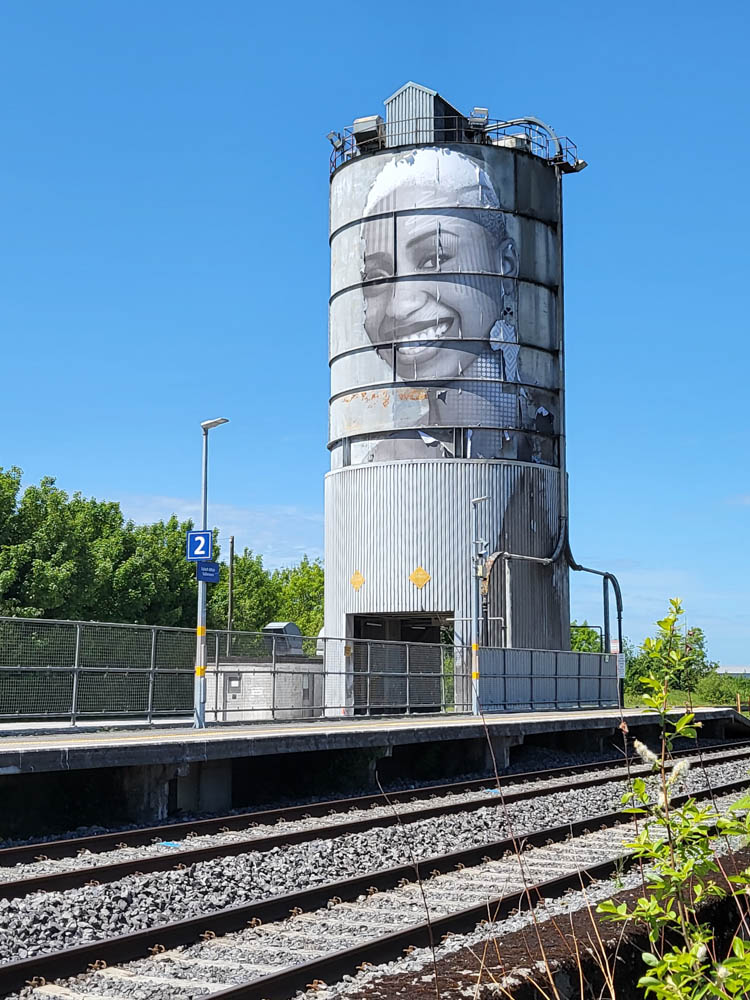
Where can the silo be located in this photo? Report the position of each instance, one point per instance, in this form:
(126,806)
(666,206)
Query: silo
(445,347)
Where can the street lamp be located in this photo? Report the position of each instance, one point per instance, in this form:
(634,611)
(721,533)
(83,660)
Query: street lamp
(199,686)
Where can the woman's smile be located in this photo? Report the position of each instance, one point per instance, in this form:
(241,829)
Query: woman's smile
(414,338)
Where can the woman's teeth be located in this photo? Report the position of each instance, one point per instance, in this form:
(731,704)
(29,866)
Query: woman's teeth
(418,339)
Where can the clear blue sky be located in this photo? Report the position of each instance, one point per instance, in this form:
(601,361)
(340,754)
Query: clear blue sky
(164,183)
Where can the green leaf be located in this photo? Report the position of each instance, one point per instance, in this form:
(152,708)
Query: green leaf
(649,981)
(684,721)
(649,959)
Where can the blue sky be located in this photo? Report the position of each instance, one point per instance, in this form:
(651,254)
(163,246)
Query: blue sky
(164,184)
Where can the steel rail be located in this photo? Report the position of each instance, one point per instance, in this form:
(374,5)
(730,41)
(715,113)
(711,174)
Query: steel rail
(333,967)
(97,874)
(101,842)
(140,944)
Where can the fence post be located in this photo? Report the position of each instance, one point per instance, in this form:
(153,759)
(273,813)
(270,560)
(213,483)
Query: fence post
(442,678)
(531,680)
(217,659)
(408,681)
(369,648)
(151,678)
(557,674)
(273,676)
(76,668)
(216,700)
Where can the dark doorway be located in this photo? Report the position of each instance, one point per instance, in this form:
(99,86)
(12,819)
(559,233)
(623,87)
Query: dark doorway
(400,667)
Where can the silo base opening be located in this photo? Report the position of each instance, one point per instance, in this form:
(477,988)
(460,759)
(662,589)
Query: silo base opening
(399,666)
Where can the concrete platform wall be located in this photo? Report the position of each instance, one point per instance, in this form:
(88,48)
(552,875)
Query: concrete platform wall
(150,774)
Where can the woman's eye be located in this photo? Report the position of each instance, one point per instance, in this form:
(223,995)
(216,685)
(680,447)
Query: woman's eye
(438,251)
(434,260)
(377,265)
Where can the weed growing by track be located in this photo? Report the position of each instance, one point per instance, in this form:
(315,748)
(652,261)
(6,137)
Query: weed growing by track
(677,848)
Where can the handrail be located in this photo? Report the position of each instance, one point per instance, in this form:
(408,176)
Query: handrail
(540,139)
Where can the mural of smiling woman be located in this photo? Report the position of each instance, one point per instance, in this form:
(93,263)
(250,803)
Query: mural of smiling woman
(445,353)
(439,321)
(426,356)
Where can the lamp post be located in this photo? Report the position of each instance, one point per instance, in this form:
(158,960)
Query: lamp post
(199,686)
(479,551)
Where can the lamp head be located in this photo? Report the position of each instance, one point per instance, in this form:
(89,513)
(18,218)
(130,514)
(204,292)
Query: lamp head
(208,424)
(336,140)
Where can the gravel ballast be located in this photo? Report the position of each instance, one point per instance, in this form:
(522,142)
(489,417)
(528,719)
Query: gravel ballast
(44,922)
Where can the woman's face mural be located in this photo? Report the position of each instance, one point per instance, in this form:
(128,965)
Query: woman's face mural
(426,360)
(432,224)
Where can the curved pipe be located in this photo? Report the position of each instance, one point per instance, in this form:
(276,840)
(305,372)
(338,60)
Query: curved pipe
(563,548)
(542,560)
(608,578)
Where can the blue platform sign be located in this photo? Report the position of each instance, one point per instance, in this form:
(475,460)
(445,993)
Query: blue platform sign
(200,545)
(207,572)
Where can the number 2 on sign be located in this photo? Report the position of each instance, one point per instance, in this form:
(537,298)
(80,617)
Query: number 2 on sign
(199,546)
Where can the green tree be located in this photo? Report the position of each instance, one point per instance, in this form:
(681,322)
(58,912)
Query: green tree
(256,598)
(302,595)
(583,638)
(58,551)
(77,558)
(694,661)
(154,583)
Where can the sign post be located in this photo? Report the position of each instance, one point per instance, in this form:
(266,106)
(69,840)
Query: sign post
(199,550)
(614,648)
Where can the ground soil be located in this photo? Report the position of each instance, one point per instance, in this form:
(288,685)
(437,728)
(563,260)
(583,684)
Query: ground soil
(576,956)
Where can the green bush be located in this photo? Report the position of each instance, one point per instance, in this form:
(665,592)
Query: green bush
(721,689)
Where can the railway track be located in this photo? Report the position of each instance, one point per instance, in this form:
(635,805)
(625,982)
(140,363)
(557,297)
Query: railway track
(269,949)
(436,800)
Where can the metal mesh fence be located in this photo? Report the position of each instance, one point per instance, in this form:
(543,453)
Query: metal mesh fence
(87,670)
(529,679)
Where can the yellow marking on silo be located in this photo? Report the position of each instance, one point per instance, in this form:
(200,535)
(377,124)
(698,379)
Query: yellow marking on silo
(419,577)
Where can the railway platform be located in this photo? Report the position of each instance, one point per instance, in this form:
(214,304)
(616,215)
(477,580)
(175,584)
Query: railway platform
(158,770)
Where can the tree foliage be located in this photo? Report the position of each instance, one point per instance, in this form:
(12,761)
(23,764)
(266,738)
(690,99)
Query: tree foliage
(694,661)
(584,638)
(257,596)
(78,558)
(75,557)
(302,595)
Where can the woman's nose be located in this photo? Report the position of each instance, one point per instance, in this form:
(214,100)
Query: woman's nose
(410,297)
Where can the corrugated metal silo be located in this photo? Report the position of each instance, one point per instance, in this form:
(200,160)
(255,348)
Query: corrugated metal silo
(445,346)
